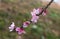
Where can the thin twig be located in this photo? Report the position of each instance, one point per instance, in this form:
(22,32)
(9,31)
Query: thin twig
(45,7)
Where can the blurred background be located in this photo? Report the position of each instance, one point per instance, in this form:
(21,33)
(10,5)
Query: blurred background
(48,27)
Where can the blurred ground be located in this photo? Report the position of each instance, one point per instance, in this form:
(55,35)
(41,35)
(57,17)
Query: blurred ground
(19,11)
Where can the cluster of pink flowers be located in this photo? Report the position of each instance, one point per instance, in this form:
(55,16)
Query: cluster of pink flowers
(37,11)
(17,29)
(34,19)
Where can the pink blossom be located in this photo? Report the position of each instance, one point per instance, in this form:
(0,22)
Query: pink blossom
(25,24)
(35,18)
(20,30)
(12,26)
(35,11)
